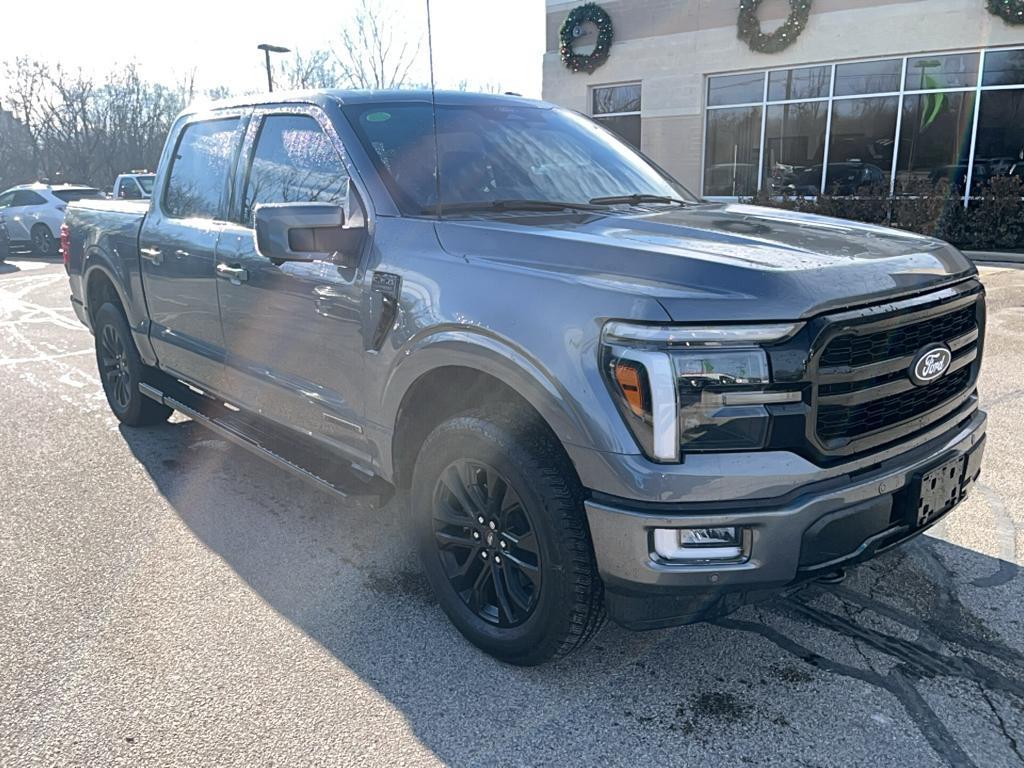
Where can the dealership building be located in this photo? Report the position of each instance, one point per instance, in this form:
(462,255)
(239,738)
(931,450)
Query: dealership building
(870,92)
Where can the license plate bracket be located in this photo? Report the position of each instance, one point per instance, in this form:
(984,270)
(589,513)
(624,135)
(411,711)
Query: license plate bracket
(940,490)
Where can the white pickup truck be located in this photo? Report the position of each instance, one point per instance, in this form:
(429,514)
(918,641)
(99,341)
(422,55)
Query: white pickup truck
(137,185)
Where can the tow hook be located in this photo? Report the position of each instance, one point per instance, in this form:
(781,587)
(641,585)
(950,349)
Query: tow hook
(832,577)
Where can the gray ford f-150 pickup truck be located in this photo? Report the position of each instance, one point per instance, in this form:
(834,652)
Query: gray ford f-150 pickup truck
(602,394)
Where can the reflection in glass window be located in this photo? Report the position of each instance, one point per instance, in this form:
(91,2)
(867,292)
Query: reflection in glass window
(1000,145)
(735,89)
(1004,68)
(935,138)
(497,152)
(929,72)
(294,162)
(805,83)
(861,146)
(617,98)
(868,77)
(731,154)
(617,108)
(794,147)
(199,169)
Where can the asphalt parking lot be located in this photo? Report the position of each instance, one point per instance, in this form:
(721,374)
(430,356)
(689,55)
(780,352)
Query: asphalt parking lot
(169,599)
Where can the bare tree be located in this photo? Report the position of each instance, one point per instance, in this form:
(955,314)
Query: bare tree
(27,80)
(317,69)
(368,54)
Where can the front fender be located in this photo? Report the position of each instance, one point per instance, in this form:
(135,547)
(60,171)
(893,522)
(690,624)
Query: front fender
(584,417)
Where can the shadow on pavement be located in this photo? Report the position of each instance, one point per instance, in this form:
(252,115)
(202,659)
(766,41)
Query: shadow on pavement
(911,652)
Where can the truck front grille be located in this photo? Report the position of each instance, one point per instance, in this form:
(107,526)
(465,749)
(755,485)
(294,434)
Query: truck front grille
(863,396)
(850,350)
(838,421)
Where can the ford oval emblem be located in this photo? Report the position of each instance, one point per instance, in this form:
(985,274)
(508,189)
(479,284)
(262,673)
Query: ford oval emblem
(929,364)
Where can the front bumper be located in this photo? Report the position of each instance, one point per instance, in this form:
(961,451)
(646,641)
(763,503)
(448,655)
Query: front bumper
(810,532)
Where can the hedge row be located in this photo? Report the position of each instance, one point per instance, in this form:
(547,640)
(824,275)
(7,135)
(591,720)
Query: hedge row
(994,220)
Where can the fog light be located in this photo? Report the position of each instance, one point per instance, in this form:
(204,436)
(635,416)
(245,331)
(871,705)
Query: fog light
(698,544)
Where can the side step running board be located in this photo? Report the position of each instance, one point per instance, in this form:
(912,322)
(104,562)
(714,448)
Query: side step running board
(290,452)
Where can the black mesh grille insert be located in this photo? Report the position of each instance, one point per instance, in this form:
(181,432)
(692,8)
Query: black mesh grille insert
(840,421)
(855,351)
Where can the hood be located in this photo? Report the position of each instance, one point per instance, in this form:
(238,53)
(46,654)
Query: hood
(718,261)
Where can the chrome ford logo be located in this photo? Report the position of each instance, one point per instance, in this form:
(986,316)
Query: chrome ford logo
(930,364)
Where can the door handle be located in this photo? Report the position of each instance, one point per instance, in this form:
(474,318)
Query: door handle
(154,255)
(235,274)
(181,254)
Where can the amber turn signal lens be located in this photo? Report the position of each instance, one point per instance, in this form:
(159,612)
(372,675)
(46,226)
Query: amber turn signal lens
(628,377)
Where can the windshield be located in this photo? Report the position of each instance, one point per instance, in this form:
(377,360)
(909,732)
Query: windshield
(70,195)
(146,182)
(492,153)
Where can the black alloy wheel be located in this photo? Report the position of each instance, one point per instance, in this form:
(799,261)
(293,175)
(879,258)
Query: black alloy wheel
(487,543)
(498,517)
(43,243)
(122,370)
(114,366)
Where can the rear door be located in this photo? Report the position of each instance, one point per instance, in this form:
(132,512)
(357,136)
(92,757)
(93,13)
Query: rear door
(293,330)
(178,245)
(19,217)
(6,201)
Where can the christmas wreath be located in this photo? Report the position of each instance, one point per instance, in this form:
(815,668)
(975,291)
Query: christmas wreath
(572,28)
(1010,11)
(764,42)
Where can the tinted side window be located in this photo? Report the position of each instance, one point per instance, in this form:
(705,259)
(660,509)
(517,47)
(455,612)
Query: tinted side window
(294,162)
(199,169)
(26,197)
(7,200)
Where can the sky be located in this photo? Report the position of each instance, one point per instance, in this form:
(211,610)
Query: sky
(484,42)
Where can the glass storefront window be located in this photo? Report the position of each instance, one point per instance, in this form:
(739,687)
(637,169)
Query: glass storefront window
(853,109)
(735,89)
(861,145)
(999,150)
(1004,68)
(805,83)
(930,72)
(863,77)
(617,108)
(732,151)
(935,139)
(794,142)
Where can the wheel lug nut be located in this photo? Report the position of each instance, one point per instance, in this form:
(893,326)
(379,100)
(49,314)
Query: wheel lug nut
(497,559)
(492,525)
(483,555)
(480,519)
(502,544)
(476,535)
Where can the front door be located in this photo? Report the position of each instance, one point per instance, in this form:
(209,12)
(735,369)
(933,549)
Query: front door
(293,330)
(178,249)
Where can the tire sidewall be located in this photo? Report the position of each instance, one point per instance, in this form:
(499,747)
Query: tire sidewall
(32,236)
(496,445)
(108,314)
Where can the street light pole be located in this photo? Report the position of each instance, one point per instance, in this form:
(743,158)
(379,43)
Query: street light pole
(268,49)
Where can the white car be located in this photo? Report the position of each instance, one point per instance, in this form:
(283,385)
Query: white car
(32,213)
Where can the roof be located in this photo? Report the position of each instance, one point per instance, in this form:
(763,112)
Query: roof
(41,185)
(320,96)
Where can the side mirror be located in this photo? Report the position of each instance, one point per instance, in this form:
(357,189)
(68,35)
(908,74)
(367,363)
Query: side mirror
(302,231)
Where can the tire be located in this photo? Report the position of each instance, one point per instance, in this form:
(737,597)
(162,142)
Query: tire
(121,370)
(43,242)
(507,469)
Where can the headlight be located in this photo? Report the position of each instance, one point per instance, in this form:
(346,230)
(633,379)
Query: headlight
(694,388)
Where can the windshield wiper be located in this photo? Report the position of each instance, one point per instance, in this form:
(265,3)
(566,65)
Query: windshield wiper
(511,205)
(635,199)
